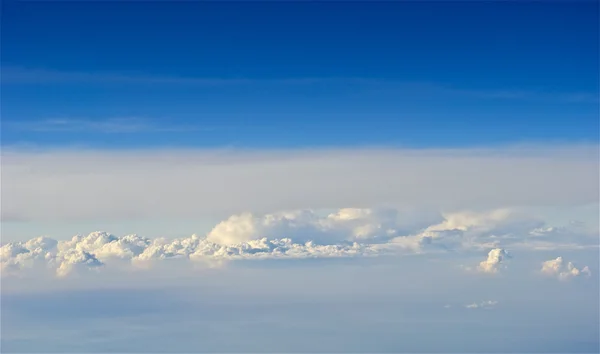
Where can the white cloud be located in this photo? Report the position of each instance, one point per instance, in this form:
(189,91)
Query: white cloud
(558,268)
(347,232)
(348,224)
(297,234)
(76,259)
(490,304)
(100,248)
(67,185)
(494,259)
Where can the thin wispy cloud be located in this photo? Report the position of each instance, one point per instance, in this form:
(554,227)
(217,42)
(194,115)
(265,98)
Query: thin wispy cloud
(16,75)
(108,126)
(529,95)
(19,75)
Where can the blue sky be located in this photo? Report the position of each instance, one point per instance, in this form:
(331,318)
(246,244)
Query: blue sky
(299,74)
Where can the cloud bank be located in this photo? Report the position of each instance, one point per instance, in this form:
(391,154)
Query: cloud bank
(69,185)
(302,234)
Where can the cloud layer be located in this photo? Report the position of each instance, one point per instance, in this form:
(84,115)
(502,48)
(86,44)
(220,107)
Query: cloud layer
(302,234)
(67,185)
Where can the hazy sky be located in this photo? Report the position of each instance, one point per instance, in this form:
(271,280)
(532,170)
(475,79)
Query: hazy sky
(300,177)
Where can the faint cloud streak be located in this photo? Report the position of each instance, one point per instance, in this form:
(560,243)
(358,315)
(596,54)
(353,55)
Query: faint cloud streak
(108,126)
(19,75)
(43,76)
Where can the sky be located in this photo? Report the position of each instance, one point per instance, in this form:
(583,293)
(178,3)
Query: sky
(300,177)
(265,74)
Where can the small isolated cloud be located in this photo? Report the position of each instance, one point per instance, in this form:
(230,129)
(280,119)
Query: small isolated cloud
(558,268)
(494,260)
(487,305)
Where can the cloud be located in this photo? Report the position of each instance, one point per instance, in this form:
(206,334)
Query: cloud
(75,259)
(68,185)
(107,126)
(470,229)
(529,95)
(19,75)
(558,268)
(494,259)
(16,75)
(296,234)
(487,305)
(90,252)
(574,236)
(300,234)
(348,224)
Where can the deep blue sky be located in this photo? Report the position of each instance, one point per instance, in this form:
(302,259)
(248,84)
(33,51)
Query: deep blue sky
(141,74)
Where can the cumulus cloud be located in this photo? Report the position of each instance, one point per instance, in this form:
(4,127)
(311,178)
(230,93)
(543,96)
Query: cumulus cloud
(490,304)
(558,268)
(468,229)
(100,248)
(348,224)
(75,259)
(295,234)
(301,234)
(494,260)
(50,185)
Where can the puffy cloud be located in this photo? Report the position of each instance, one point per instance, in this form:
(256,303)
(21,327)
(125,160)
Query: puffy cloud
(76,259)
(490,304)
(481,230)
(494,260)
(65,257)
(348,232)
(558,268)
(349,224)
(499,222)
(20,255)
(104,245)
(300,234)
